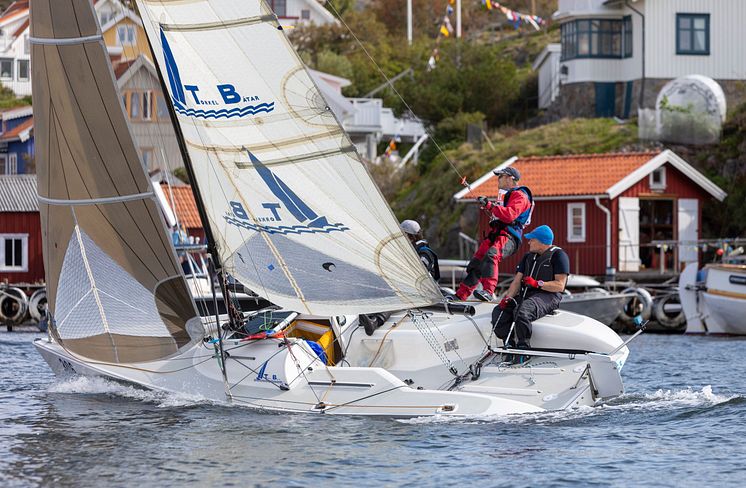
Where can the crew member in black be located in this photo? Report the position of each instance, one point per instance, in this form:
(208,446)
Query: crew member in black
(535,291)
(428,257)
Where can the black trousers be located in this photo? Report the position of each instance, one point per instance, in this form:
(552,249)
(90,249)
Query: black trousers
(532,308)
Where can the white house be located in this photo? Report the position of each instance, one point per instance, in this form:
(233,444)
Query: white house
(616,55)
(15,50)
(292,12)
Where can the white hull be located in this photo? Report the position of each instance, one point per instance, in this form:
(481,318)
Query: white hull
(604,307)
(717,306)
(395,372)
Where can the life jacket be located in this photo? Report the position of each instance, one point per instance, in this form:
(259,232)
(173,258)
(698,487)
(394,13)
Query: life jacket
(516,227)
(423,250)
(540,268)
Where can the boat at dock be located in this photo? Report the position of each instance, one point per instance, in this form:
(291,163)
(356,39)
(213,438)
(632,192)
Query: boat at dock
(714,299)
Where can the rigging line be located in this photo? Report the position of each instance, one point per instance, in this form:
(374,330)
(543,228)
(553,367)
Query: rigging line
(253,371)
(388,81)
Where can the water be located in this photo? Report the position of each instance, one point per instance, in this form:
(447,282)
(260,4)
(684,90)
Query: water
(682,422)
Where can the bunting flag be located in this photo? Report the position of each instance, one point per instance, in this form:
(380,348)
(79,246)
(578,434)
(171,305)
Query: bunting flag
(516,18)
(390,149)
(445,30)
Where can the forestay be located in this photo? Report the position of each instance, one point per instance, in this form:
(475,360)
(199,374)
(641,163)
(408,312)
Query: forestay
(116,292)
(295,214)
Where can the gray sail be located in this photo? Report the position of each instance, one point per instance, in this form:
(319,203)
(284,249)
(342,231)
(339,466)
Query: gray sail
(116,292)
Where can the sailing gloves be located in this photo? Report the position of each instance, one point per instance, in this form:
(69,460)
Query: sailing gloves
(506,303)
(483,201)
(528,281)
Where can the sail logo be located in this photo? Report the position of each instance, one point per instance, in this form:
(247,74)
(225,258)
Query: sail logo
(227,101)
(304,219)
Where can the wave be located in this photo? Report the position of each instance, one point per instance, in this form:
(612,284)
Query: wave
(92,385)
(658,400)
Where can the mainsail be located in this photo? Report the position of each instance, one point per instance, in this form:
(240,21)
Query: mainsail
(116,292)
(296,216)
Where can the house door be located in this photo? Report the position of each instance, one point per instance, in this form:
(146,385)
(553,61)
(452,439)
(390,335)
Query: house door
(605,99)
(629,234)
(688,227)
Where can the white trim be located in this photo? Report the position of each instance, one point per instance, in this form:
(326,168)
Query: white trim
(459,195)
(141,61)
(677,162)
(24,253)
(662,184)
(571,237)
(12,164)
(549,49)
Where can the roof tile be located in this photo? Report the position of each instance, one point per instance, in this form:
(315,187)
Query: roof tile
(583,174)
(186,207)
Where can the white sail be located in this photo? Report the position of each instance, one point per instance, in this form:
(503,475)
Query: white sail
(295,214)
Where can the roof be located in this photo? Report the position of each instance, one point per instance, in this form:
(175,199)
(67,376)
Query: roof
(548,49)
(587,175)
(22,131)
(121,67)
(186,206)
(125,70)
(18,193)
(21,28)
(16,112)
(15,10)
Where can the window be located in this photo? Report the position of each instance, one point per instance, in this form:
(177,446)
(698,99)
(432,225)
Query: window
(147,157)
(23,70)
(693,34)
(279,7)
(658,179)
(125,35)
(576,222)
(161,108)
(597,38)
(305,14)
(12,165)
(13,252)
(6,69)
(3,164)
(147,104)
(135,106)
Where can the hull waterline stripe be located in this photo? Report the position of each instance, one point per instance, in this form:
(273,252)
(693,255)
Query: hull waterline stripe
(218,25)
(728,294)
(65,41)
(96,201)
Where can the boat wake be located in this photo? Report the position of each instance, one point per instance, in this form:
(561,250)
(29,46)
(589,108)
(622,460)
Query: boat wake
(668,400)
(88,385)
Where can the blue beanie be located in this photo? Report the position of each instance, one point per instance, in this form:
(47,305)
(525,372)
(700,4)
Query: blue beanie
(542,234)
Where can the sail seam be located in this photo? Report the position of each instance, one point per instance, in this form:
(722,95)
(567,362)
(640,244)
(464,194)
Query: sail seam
(96,201)
(65,41)
(297,159)
(218,25)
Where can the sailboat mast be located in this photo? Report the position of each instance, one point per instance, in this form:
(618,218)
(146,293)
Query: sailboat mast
(212,247)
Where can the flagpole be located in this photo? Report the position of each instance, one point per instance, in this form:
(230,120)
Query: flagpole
(458,19)
(409,21)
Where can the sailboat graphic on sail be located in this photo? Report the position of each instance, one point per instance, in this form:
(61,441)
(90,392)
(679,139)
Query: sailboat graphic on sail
(290,212)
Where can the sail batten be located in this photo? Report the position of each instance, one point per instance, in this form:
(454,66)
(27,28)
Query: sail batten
(115,287)
(296,216)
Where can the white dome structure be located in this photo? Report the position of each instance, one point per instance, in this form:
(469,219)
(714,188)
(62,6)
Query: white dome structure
(690,110)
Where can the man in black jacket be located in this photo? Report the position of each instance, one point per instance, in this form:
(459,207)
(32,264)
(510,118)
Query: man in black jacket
(428,257)
(536,290)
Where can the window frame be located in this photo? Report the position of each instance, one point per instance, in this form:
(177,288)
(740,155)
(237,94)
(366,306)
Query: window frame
(11,164)
(662,184)
(127,40)
(691,32)
(571,236)
(598,31)
(24,253)
(12,69)
(28,69)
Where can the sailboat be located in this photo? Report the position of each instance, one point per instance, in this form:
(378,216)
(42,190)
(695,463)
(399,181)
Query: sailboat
(290,212)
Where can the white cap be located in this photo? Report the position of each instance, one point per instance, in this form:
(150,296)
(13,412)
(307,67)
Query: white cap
(410,227)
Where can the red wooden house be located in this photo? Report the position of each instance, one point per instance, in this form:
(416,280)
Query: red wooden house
(21,259)
(607,209)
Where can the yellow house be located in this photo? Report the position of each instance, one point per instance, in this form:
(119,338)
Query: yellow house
(122,29)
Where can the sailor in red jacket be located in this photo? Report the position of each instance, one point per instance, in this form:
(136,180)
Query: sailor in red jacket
(508,218)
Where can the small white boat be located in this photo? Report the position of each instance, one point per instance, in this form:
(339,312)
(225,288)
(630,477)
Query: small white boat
(714,300)
(586,296)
